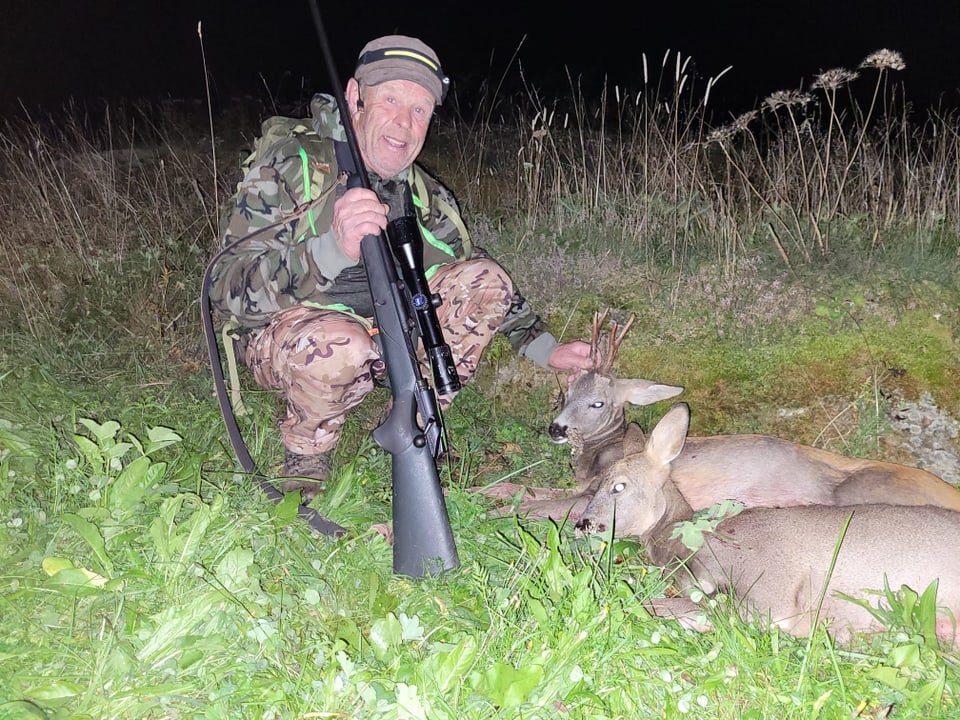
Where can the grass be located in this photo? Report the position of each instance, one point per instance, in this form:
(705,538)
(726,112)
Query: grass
(794,270)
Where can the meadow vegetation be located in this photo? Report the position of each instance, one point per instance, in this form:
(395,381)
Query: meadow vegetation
(794,268)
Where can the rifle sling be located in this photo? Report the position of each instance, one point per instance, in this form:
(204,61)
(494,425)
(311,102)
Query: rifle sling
(320,523)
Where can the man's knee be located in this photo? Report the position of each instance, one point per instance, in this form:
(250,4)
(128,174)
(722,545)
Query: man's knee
(491,274)
(324,344)
(336,346)
(480,282)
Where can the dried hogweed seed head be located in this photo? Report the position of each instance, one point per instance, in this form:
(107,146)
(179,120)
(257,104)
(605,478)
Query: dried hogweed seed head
(741,122)
(738,125)
(787,98)
(833,79)
(720,134)
(884,60)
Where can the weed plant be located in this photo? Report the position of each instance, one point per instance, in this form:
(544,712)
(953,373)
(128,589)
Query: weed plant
(793,268)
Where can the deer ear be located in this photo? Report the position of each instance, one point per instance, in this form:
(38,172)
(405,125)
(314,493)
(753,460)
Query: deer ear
(644,392)
(669,436)
(633,440)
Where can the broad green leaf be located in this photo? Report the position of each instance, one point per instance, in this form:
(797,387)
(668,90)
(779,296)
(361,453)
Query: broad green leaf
(117,451)
(52,565)
(385,635)
(129,487)
(56,690)
(78,578)
(690,535)
(908,601)
(196,529)
(287,508)
(409,705)
(907,655)
(889,676)
(91,533)
(238,573)
(507,686)
(928,614)
(91,452)
(346,630)
(412,630)
(107,431)
(163,529)
(446,669)
(160,437)
(538,611)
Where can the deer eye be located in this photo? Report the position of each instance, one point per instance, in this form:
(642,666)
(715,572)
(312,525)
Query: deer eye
(618,488)
(598,404)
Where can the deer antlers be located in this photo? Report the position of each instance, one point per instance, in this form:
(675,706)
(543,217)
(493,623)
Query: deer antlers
(606,360)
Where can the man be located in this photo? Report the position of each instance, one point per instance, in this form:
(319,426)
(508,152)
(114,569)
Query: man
(295,278)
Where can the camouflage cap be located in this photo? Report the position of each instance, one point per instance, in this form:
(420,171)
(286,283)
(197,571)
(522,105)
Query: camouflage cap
(398,57)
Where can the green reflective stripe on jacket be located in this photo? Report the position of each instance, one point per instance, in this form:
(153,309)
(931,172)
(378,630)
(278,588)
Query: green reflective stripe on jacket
(307,195)
(340,307)
(429,236)
(418,187)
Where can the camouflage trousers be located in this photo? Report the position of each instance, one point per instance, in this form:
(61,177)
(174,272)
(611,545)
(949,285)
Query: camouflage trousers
(324,361)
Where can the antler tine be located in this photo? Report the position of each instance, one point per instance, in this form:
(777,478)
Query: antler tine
(598,321)
(615,340)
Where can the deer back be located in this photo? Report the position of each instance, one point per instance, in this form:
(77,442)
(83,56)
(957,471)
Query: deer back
(766,471)
(776,561)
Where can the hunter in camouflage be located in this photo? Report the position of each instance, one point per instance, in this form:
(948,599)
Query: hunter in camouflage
(293,278)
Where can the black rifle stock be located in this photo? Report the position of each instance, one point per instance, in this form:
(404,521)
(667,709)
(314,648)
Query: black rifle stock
(423,539)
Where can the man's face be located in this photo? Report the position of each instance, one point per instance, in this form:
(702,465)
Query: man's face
(393,125)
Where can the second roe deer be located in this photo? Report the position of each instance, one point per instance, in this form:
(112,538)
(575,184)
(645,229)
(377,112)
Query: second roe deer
(776,560)
(765,471)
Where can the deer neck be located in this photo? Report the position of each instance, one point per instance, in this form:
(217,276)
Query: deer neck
(660,547)
(603,447)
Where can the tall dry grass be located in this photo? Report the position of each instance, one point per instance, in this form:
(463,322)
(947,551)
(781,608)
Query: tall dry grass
(111,215)
(847,158)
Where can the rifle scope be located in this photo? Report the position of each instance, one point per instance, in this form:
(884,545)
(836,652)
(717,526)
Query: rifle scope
(407,245)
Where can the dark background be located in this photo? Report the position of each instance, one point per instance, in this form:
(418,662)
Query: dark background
(52,50)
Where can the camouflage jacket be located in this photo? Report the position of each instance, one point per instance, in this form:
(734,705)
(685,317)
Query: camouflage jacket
(280,249)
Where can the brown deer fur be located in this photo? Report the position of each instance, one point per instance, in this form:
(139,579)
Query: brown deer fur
(775,561)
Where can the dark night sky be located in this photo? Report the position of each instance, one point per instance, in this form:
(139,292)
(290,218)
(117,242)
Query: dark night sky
(53,49)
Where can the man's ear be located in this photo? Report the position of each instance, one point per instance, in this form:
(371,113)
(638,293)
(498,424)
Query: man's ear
(352,95)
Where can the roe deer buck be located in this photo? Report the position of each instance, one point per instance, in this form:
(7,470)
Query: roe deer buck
(776,560)
(592,419)
(593,422)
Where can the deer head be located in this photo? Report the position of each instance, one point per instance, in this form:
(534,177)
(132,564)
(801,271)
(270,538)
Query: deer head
(593,413)
(638,490)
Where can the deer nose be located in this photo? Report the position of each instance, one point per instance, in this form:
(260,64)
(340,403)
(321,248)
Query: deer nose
(558,433)
(585,527)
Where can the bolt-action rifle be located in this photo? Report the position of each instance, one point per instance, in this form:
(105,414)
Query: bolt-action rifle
(405,310)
